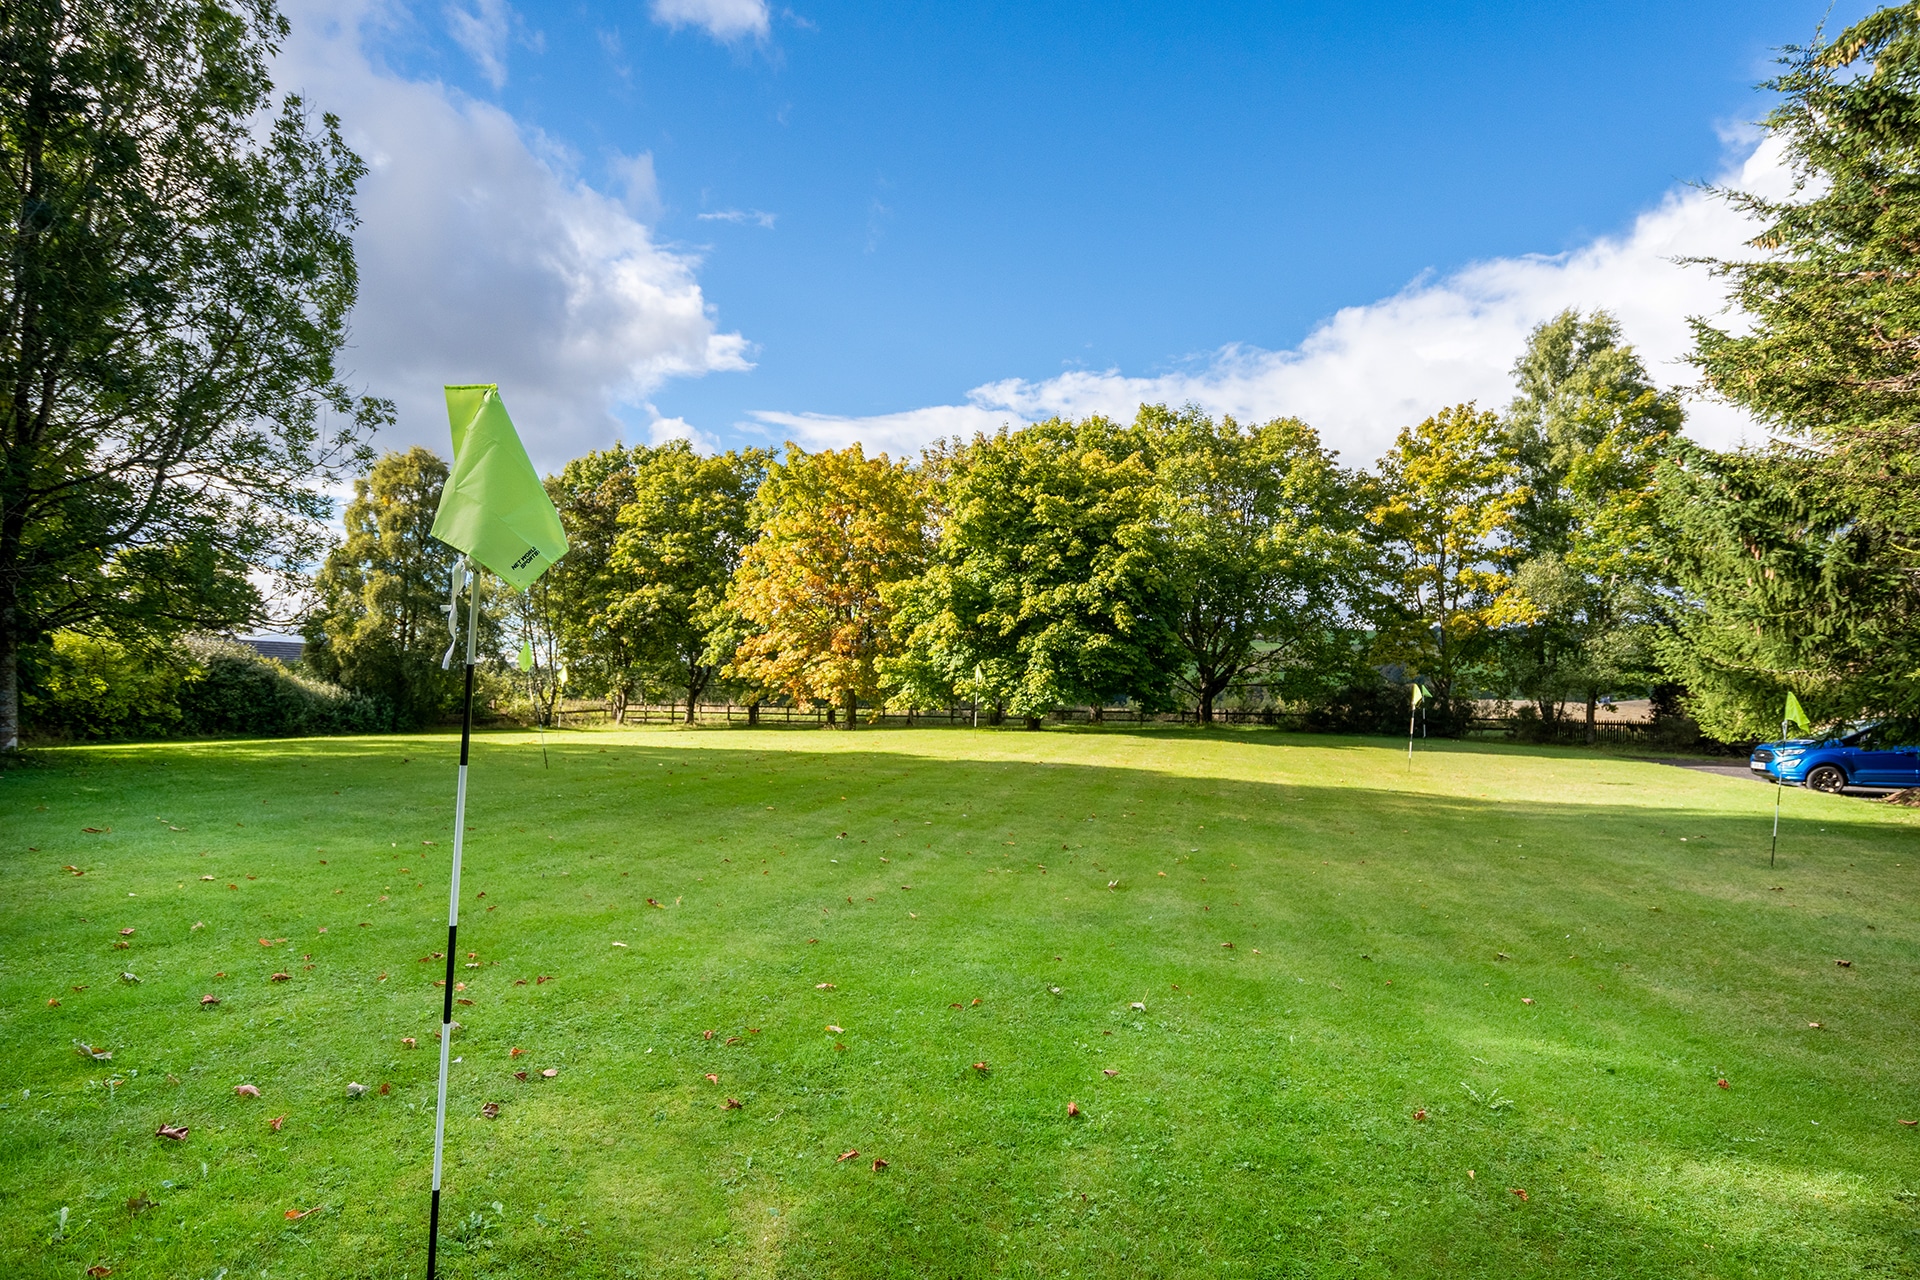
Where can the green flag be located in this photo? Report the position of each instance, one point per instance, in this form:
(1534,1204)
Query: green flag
(1419,693)
(494,507)
(526,656)
(1794,717)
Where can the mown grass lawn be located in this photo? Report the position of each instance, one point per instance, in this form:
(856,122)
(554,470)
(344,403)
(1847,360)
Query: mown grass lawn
(1251,960)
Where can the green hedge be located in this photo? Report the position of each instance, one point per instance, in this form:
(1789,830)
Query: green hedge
(89,688)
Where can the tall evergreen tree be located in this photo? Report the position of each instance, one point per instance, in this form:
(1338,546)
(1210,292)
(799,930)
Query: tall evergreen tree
(1802,559)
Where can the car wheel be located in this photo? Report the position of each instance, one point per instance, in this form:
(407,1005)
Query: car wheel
(1827,778)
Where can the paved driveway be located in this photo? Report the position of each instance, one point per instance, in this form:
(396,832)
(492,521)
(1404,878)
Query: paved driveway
(1740,769)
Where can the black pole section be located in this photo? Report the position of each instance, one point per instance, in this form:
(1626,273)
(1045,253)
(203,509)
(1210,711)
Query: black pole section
(446,996)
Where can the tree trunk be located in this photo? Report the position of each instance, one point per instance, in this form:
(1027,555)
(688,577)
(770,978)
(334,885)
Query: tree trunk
(1592,736)
(753,714)
(833,714)
(9,691)
(1206,706)
(1099,715)
(998,715)
(1033,722)
(691,695)
(852,701)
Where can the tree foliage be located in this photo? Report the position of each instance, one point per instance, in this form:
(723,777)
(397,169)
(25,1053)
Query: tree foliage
(1254,549)
(177,281)
(680,538)
(1443,507)
(381,625)
(1042,588)
(1801,561)
(838,532)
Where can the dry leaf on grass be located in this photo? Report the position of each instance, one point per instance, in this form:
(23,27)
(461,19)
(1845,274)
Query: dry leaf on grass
(712,1078)
(247,1090)
(519,1075)
(281,977)
(276,1122)
(823,986)
(126,933)
(99,1272)
(1108,1072)
(1722,1082)
(172,1132)
(839,1031)
(355,1089)
(841,1159)
(1421,1114)
(1073,1108)
(96,831)
(1518,1191)
(878,1164)
(491,1111)
(733,1104)
(294,1215)
(551,1072)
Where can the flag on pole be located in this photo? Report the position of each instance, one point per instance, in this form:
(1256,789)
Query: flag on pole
(494,507)
(494,510)
(1419,693)
(1793,717)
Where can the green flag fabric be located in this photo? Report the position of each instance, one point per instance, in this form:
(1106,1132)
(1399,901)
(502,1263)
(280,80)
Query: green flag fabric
(1419,693)
(526,656)
(494,507)
(1794,716)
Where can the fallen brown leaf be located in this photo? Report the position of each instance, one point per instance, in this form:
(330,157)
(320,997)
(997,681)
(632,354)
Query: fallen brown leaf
(276,1122)
(247,1090)
(281,977)
(847,1156)
(519,1075)
(172,1132)
(296,1214)
(551,1072)
(1108,1072)
(1073,1108)
(1421,1114)
(712,1078)
(96,831)
(491,1111)
(980,1066)
(733,1104)
(1518,1191)
(52,1003)
(823,986)
(98,1272)
(126,933)
(878,1164)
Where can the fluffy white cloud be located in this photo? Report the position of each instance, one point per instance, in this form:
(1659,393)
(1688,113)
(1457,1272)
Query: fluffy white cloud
(1369,370)
(757,217)
(722,19)
(484,258)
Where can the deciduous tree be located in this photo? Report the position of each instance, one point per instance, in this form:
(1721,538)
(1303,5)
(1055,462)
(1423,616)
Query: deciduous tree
(178,274)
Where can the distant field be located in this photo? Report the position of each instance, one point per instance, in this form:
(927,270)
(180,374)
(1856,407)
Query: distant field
(1321,1013)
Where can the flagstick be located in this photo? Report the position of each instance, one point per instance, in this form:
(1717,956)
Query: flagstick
(453,916)
(1779,785)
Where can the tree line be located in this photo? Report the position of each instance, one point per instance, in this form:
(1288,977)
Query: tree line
(180,274)
(1173,560)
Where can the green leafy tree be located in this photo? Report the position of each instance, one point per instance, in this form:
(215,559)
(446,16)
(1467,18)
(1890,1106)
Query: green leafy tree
(381,625)
(1442,513)
(1799,558)
(178,275)
(679,543)
(1254,546)
(1587,430)
(837,532)
(1043,588)
(583,592)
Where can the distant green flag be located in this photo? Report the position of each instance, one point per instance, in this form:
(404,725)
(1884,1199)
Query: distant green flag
(1794,717)
(526,656)
(1419,693)
(494,507)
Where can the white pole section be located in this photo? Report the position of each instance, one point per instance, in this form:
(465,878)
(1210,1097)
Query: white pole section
(453,910)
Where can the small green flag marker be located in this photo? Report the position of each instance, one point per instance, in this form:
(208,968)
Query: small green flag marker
(526,656)
(494,507)
(1793,717)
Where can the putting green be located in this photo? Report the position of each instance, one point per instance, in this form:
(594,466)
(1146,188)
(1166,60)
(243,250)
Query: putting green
(1319,1012)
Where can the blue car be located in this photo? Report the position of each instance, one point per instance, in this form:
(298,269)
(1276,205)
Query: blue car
(1861,758)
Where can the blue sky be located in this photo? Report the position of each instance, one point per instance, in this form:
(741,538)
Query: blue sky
(882,210)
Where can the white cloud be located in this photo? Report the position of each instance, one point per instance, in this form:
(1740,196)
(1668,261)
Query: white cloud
(722,19)
(484,258)
(482,32)
(758,217)
(1369,370)
(639,185)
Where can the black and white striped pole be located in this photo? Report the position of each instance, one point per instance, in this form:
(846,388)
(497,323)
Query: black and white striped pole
(462,575)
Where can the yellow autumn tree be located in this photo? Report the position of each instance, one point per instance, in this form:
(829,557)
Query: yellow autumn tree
(837,531)
(1444,501)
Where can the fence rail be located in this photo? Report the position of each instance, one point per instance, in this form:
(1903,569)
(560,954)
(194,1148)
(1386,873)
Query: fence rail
(1572,732)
